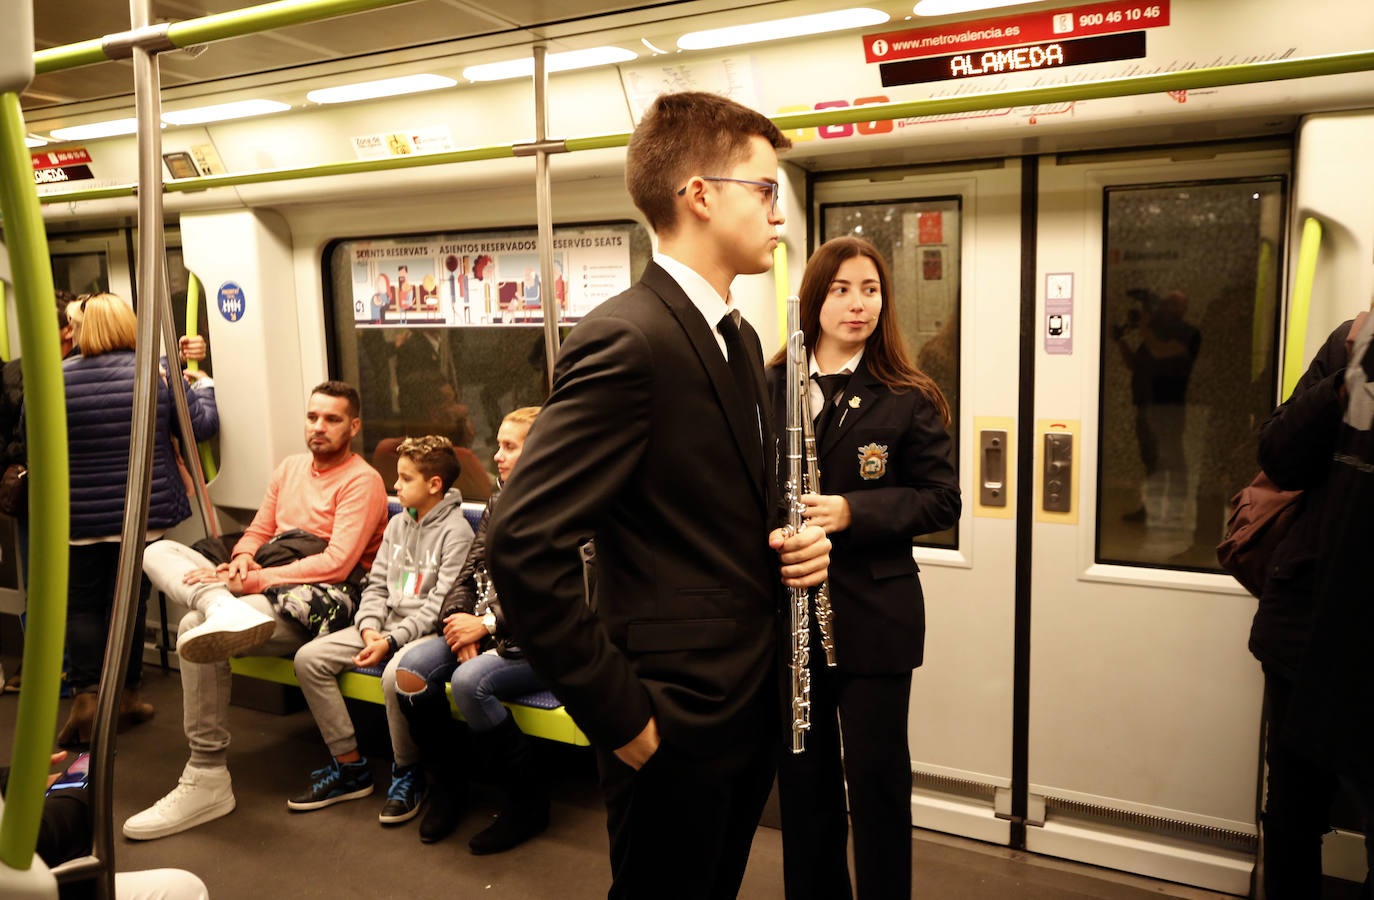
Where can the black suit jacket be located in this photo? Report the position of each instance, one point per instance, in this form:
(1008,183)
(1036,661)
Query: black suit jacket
(888,455)
(646,446)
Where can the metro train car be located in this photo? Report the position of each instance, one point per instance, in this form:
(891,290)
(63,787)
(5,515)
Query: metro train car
(356,198)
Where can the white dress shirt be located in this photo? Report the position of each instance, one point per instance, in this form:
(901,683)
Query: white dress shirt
(813,388)
(711,305)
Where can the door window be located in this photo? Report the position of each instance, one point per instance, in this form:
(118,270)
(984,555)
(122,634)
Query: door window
(920,241)
(1190,287)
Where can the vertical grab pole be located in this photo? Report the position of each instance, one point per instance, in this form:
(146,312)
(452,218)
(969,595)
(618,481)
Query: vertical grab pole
(141,435)
(207,458)
(1295,347)
(4,327)
(177,384)
(544,207)
(46,436)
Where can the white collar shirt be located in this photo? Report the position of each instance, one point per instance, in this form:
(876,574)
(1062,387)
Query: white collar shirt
(813,389)
(711,305)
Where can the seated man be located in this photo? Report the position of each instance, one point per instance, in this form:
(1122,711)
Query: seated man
(319,527)
(419,561)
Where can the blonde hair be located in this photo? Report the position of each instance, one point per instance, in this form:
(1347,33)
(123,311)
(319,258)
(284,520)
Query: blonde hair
(107,323)
(525,415)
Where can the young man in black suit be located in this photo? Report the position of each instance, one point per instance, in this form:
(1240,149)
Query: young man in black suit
(657,442)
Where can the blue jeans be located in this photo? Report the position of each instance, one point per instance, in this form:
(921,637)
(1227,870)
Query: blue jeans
(478,684)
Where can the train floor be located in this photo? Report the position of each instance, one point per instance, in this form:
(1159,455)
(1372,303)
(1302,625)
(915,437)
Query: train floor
(263,850)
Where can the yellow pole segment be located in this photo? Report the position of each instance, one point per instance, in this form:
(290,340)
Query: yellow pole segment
(781,286)
(1295,347)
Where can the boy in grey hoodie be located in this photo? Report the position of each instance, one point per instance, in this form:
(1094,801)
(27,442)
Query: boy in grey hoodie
(417,564)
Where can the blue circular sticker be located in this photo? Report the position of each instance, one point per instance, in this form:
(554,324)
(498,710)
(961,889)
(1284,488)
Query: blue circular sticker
(231,301)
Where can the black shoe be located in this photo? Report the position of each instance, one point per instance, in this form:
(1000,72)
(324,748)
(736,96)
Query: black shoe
(405,795)
(509,755)
(442,815)
(334,783)
(522,817)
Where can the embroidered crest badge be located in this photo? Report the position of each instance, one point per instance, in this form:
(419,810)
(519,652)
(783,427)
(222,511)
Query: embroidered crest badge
(872,461)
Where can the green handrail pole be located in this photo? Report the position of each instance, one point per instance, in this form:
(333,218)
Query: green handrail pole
(216,27)
(46,436)
(1220,76)
(265,17)
(1295,345)
(192,314)
(4,326)
(207,454)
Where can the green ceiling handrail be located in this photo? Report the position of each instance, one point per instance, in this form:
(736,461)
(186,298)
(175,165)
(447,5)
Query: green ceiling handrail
(216,27)
(1192,79)
(46,438)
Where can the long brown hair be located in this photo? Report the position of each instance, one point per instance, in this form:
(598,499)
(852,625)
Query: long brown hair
(885,351)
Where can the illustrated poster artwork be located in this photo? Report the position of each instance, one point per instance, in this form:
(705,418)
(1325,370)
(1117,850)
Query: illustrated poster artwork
(491,280)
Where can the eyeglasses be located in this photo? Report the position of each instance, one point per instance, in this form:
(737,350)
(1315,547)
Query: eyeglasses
(771,185)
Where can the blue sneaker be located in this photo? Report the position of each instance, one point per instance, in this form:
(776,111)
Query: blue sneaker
(405,796)
(334,783)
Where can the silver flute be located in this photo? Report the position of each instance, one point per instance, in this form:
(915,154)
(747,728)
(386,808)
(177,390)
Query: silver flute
(803,477)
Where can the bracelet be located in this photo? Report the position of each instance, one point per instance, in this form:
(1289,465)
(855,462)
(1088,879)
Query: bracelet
(391,642)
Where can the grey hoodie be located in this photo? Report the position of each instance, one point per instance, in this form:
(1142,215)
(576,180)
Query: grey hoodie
(415,569)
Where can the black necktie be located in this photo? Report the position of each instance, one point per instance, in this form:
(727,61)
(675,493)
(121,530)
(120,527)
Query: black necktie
(734,357)
(830,386)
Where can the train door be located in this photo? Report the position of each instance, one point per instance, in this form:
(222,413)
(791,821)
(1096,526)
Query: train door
(952,234)
(92,263)
(1158,278)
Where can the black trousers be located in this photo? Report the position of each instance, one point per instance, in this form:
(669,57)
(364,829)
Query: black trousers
(90,600)
(1297,809)
(681,827)
(871,711)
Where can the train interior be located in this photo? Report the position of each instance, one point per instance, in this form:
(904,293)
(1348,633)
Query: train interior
(1088,721)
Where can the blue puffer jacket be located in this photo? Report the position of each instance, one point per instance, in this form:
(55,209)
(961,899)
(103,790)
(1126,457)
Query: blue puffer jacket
(100,406)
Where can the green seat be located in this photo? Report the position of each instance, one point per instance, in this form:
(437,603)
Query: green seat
(551,724)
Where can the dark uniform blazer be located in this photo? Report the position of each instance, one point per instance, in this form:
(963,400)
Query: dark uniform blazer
(646,446)
(888,455)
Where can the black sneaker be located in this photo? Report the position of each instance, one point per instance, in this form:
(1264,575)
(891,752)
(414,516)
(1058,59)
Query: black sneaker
(334,783)
(404,798)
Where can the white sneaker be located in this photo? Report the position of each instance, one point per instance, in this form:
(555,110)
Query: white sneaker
(200,795)
(231,627)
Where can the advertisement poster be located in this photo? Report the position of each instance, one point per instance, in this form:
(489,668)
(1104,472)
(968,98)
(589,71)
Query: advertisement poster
(492,279)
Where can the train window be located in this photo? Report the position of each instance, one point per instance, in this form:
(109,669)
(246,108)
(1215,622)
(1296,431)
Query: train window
(920,240)
(1190,288)
(443,334)
(81,273)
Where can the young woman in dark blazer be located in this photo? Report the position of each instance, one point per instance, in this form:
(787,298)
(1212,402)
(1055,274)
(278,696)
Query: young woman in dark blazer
(885,478)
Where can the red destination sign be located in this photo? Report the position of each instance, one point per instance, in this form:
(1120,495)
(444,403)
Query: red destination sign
(56,159)
(1028,28)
